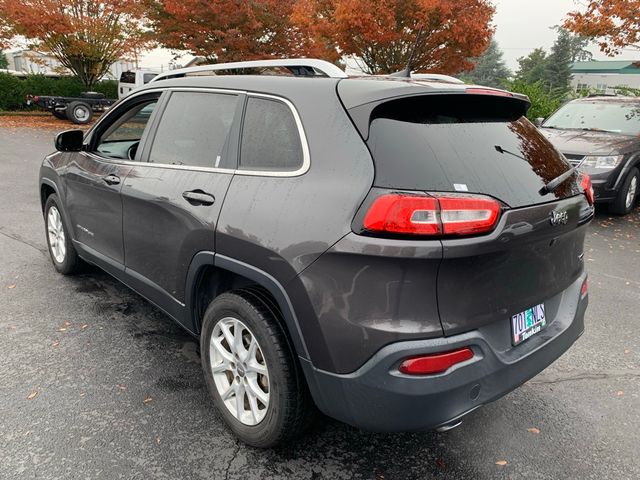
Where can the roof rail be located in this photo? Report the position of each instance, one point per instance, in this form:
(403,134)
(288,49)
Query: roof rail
(297,66)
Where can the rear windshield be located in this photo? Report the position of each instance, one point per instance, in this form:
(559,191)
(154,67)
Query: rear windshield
(465,143)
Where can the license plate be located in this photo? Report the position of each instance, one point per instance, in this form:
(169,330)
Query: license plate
(526,324)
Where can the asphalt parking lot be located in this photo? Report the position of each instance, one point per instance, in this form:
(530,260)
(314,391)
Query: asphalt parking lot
(97,383)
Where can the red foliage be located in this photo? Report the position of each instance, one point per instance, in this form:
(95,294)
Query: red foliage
(87,37)
(614,23)
(381,33)
(231,30)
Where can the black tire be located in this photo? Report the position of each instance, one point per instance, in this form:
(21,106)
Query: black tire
(79,112)
(290,408)
(71,262)
(60,114)
(620,205)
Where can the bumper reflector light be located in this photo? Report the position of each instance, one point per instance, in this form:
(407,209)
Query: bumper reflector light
(435,363)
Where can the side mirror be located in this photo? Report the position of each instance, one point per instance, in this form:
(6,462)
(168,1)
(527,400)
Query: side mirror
(69,141)
(538,121)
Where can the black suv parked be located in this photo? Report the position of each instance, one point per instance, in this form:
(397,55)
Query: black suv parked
(394,252)
(601,136)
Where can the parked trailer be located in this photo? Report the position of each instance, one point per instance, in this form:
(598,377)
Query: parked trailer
(77,109)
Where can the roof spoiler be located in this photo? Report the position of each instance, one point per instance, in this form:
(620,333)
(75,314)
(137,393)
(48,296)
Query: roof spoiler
(300,67)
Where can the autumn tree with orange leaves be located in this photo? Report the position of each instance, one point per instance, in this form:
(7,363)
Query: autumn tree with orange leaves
(232,30)
(379,34)
(615,24)
(85,36)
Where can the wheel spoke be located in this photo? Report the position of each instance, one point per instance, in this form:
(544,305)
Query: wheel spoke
(254,366)
(221,367)
(237,337)
(239,401)
(253,404)
(255,389)
(226,355)
(228,393)
(227,334)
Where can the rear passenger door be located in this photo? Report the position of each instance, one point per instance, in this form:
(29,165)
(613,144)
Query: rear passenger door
(171,200)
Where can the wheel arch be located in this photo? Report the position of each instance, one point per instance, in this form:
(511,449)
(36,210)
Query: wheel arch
(633,161)
(232,273)
(47,187)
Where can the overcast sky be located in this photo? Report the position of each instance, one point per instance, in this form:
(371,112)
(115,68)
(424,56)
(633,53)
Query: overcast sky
(521,26)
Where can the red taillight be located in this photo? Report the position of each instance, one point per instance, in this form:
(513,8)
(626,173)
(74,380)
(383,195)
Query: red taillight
(585,288)
(446,214)
(488,91)
(435,363)
(396,213)
(587,186)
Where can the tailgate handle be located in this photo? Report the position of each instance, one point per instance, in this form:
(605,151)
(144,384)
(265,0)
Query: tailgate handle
(198,197)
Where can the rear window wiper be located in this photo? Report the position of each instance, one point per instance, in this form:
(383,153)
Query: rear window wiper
(556,182)
(553,184)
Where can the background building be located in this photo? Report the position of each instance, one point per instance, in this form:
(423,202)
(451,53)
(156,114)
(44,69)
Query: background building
(603,76)
(29,61)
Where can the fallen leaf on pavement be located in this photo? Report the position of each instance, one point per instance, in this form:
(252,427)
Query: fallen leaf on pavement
(626,350)
(533,430)
(55,344)
(502,463)
(13,285)
(619,393)
(158,440)
(83,326)
(62,329)
(147,400)
(121,387)
(32,395)
(67,323)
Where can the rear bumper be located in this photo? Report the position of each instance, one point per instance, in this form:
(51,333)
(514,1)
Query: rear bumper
(378,397)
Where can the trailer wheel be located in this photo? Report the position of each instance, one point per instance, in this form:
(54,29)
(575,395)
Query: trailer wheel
(60,114)
(79,112)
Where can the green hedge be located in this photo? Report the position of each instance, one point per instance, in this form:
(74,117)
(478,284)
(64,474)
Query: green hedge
(14,89)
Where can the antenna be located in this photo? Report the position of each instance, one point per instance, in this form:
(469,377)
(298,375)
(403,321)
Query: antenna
(406,72)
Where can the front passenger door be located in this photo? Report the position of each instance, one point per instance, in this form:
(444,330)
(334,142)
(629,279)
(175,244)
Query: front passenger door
(171,203)
(95,176)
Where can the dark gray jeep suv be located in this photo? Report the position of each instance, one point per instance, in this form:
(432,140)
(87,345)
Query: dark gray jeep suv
(394,252)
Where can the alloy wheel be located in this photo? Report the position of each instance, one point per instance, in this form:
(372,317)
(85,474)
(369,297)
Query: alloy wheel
(239,371)
(55,231)
(631,192)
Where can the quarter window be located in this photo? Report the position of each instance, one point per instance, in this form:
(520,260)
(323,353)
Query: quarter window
(194,129)
(270,137)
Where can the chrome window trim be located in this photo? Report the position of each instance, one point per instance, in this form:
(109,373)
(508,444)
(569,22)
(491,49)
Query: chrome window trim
(306,158)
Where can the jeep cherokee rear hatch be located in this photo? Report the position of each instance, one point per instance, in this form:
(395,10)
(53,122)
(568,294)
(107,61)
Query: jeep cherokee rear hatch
(467,167)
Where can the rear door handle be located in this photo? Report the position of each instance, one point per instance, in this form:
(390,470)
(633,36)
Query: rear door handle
(111,179)
(198,197)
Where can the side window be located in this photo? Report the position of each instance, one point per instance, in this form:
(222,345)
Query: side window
(270,137)
(147,77)
(193,129)
(122,137)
